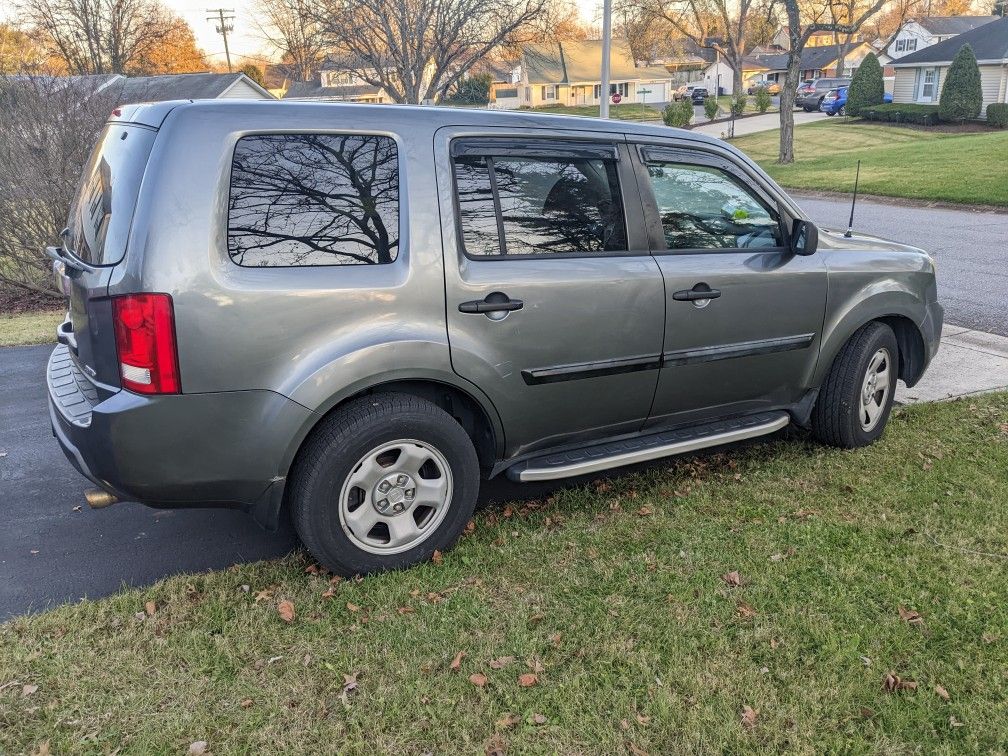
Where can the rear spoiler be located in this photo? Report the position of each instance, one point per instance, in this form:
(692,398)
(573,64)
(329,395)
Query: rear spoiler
(150,114)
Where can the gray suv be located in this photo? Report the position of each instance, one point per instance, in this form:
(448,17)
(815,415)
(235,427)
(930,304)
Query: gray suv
(810,94)
(358,312)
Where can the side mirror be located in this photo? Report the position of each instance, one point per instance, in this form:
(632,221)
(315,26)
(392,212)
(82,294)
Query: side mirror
(804,237)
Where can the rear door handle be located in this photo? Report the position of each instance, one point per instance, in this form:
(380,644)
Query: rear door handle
(698,292)
(495,302)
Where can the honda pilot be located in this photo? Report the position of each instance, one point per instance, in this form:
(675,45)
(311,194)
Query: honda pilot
(358,313)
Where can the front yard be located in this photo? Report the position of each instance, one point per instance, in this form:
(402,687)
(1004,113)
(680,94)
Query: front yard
(38,327)
(782,596)
(895,161)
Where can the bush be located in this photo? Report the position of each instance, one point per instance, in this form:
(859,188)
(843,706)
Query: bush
(866,88)
(253,72)
(997,115)
(678,114)
(763,100)
(738,104)
(962,94)
(710,108)
(904,112)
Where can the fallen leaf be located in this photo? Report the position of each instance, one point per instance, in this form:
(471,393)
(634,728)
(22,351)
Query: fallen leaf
(894,683)
(745,610)
(496,747)
(942,693)
(27,690)
(286,610)
(953,722)
(245,703)
(352,607)
(350,682)
(405,610)
(528,679)
(539,719)
(643,720)
(508,721)
(477,679)
(151,607)
(645,511)
(197,748)
(910,616)
(535,665)
(329,592)
(865,660)
(501,662)
(749,715)
(457,661)
(43,749)
(264,595)
(470,527)
(555,639)
(636,751)
(732,578)
(437,558)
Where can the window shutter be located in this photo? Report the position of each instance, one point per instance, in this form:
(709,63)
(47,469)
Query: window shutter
(937,86)
(916,89)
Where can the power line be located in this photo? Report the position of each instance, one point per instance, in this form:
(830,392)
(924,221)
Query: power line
(225,25)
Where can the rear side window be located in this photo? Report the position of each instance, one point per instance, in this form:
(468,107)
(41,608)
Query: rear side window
(103,211)
(314,199)
(535,205)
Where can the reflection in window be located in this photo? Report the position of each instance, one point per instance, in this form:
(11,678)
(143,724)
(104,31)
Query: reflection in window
(314,199)
(704,208)
(558,205)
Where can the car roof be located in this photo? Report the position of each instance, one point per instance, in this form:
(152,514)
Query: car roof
(438,116)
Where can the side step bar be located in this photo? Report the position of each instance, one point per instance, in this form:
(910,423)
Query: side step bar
(591,459)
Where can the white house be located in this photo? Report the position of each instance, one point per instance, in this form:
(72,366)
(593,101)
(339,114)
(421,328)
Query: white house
(916,34)
(920,75)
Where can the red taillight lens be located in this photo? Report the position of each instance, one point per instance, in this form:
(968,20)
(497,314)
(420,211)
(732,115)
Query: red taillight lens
(145,340)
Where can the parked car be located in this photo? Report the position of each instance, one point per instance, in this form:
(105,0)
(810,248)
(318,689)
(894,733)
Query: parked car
(684,91)
(323,308)
(698,95)
(810,94)
(835,101)
(772,87)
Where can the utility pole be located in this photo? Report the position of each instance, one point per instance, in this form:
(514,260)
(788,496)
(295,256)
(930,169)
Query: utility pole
(606,45)
(225,24)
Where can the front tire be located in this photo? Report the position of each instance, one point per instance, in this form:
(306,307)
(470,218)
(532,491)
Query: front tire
(856,398)
(383,483)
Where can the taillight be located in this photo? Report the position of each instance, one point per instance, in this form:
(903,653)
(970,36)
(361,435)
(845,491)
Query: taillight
(145,341)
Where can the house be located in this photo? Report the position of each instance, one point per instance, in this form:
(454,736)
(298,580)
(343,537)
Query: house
(760,66)
(782,40)
(701,65)
(916,34)
(920,74)
(341,80)
(822,61)
(188,86)
(569,73)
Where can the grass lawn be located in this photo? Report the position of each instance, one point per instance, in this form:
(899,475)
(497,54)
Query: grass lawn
(896,162)
(724,102)
(639,613)
(30,327)
(628,112)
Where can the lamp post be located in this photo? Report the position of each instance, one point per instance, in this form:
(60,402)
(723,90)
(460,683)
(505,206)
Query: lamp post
(606,44)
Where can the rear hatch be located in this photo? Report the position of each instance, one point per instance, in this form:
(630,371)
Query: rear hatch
(95,241)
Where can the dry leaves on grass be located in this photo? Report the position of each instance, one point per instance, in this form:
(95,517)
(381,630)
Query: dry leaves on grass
(457,661)
(910,616)
(893,683)
(732,579)
(437,557)
(501,662)
(198,748)
(28,690)
(150,608)
(745,610)
(528,679)
(508,721)
(496,746)
(477,679)
(286,610)
(942,693)
(749,715)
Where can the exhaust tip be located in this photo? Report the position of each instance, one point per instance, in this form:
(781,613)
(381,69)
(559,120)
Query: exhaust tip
(98,499)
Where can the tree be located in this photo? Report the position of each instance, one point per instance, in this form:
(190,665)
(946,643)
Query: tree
(804,20)
(417,50)
(175,52)
(472,90)
(961,96)
(253,72)
(763,100)
(41,159)
(103,36)
(867,88)
(19,52)
(295,31)
(1000,8)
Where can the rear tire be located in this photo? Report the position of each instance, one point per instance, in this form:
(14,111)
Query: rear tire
(383,483)
(856,397)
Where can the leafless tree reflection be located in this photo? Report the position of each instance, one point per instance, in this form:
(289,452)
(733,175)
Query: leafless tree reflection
(314,199)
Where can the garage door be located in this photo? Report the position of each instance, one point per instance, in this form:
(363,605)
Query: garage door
(652,92)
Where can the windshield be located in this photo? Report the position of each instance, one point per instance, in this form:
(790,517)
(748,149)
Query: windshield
(101,215)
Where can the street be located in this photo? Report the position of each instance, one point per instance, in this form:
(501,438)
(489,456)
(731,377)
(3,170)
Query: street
(54,549)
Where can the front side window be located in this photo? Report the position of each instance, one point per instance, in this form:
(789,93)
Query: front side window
(517,205)
(702,207)
(314,199)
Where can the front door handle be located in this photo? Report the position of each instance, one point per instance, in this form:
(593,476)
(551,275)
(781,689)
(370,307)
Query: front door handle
(495,302)
(698,292)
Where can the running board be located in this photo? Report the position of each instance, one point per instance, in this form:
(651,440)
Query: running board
(604,456)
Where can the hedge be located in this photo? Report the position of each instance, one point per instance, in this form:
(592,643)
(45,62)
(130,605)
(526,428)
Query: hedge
(867,88)
(924,115)
(997,115)
(961,97)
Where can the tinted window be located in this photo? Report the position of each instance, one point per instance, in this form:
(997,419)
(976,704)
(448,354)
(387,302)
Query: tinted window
(314,199)
(705,208)
(101,216)
(541,205)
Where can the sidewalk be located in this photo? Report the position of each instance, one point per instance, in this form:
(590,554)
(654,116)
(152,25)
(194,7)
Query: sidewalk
(754,124)
(968,362)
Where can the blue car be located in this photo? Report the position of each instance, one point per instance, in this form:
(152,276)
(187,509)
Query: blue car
(835,101)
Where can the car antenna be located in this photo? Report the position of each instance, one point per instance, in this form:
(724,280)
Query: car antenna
(850,223)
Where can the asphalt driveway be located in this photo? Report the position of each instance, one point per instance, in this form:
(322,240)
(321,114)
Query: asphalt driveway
(54,549)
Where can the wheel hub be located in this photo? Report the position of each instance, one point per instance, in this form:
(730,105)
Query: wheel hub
(394,494)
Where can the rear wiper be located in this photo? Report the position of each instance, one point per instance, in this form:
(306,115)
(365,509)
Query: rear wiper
(58,254)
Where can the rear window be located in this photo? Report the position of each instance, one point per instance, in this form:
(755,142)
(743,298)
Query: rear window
(101,215)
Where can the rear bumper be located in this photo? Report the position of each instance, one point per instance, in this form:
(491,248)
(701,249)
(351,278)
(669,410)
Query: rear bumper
(212,449)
